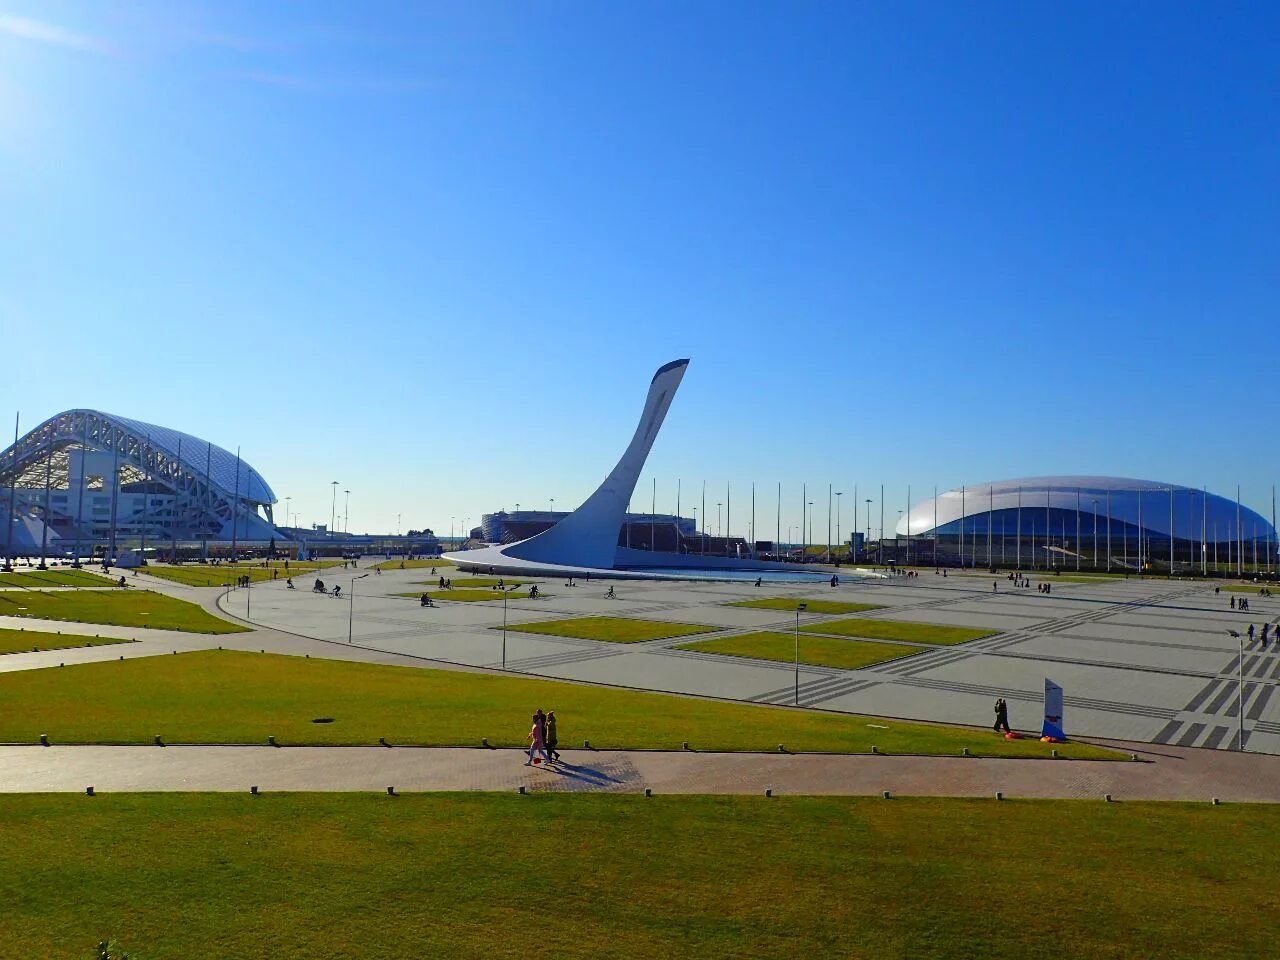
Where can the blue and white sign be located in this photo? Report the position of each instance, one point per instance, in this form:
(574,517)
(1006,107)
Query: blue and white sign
(1052,711)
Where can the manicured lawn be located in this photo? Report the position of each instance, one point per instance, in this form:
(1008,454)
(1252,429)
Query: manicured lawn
(224,696)
(471,596)
(1252,588)
(125,608)
(899,630)
(59,577)
(601,877)
(414,564)
(481,581)
(614,629)
(819,651)
(23,641)
(223,575)
(814,606)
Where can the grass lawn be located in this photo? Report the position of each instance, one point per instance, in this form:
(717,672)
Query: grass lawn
(223,575)
(814,606)
(1252,587)
(600,877)
(124,608)
(64,577)
(414,564)
(899,630)
(613,629)
(224,696)
(471,596)
(22,641)
(819,651)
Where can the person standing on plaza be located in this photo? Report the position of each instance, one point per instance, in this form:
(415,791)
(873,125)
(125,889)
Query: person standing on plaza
(1002,716)
(537,739)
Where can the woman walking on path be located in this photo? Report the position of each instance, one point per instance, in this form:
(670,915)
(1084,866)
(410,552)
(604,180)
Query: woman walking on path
(537,739)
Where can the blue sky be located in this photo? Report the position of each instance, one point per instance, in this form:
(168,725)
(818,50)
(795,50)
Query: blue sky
(435,252)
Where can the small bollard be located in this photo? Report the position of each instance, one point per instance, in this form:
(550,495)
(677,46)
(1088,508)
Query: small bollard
(484,741)
(391,791)
(88,791)
(586,744)
(684,745)
(888,795)
(520,789)
(382,742)
(781,748)
(1216,801)
(769,792)
(1106,797)
(999,795)
(159,742)
(175,653)
(44,739)
(1054,753)
(874,748)
(648,792)
(271,740)
(62,664)
(964,751)
(122,659)
(253,791)
(1133,756)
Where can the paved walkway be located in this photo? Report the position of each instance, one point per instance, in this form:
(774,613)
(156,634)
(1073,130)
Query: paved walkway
(1163,773)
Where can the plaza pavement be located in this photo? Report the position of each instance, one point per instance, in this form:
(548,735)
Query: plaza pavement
(1164,773)
(1140,660)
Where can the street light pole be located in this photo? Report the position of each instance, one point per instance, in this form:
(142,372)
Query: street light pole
(351,606)
(838,496)
(333,506)
(1239,688)
(800,608)
(346,511)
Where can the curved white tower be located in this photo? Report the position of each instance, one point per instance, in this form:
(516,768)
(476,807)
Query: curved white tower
(588,537)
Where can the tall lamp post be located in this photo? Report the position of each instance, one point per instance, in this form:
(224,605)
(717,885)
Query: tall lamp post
(351,606)
(333,506)
(838,496)
(346,511)
(867,545)
(1240,686)
(800,608)
(505,591)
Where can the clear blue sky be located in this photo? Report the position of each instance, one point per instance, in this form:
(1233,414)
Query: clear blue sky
(435,251)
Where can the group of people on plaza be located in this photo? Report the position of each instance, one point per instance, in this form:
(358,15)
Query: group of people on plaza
(543,739)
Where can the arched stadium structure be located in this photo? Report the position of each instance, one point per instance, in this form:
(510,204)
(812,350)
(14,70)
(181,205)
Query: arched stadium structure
(1087,522)
(85,478)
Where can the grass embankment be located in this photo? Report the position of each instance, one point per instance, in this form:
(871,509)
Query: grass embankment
(471,596)
(817,651)
(614,629)
(812,606)
(223,696)
(123,608)
(296,876)
(224,574)
(414,564)
(25,641)
(52,578)
(899,630)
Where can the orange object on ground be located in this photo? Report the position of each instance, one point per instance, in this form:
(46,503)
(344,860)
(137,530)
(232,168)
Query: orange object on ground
(1013,735)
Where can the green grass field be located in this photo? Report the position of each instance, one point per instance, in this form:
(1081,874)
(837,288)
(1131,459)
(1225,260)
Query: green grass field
(223,696)
(294,876)
(480,581)
(22,641)
(813,606)
(898,630)
(1252,588)
(59,577)
(471,596)
(818,651)
(223,575)
(124,608)
(415,564)
(613,629)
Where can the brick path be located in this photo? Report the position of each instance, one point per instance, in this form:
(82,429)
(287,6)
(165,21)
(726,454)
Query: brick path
(1163,773)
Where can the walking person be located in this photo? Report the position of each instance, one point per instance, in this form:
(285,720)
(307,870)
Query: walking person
(537,740)
(1002,716)
(552,739)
